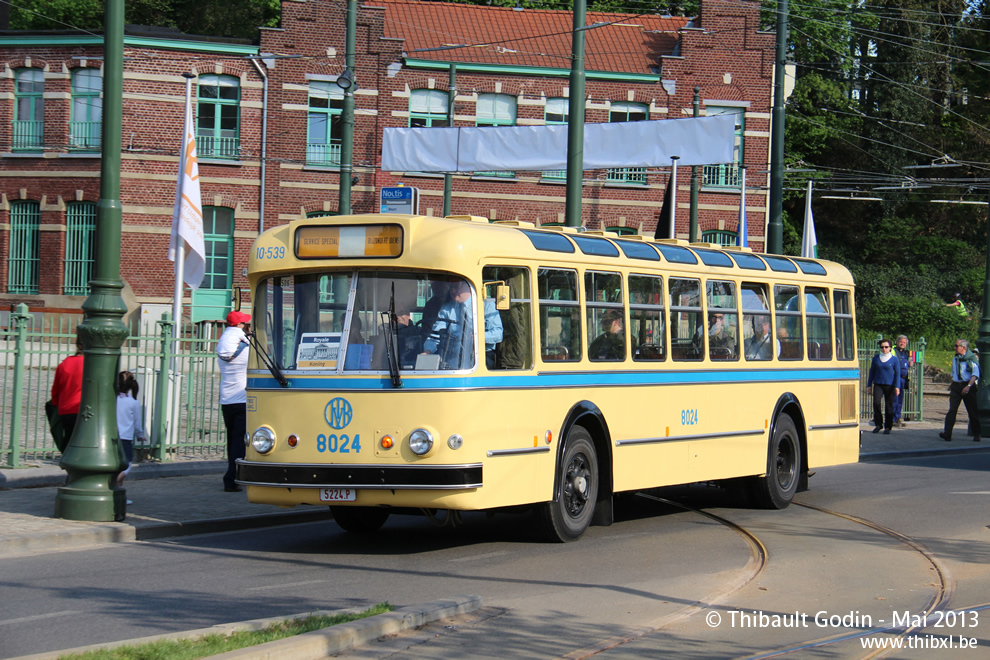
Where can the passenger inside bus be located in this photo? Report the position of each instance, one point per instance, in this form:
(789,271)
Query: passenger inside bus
(408,340)
(611,344)
(452,336)
(758,347)
(721,339)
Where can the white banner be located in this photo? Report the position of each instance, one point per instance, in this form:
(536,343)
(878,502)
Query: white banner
(187,218)
(696,140)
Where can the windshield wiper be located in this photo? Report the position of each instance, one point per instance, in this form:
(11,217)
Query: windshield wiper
(267,360)
(391,340)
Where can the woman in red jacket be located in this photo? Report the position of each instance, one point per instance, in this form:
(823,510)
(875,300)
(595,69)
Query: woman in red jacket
(67,389)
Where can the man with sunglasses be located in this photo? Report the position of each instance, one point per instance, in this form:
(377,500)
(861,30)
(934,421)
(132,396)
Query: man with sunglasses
(965,374)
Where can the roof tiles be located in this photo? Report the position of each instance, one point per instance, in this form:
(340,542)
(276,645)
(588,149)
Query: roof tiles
(633,43)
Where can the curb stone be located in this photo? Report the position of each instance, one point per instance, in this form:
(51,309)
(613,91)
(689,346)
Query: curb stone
(315,644)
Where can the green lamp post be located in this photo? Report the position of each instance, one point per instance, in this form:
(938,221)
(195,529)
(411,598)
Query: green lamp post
(93,457)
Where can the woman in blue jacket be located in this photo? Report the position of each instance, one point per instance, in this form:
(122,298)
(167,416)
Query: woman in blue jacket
(884,382)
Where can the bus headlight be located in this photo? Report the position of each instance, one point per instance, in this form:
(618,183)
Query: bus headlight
(420,442)
(263,440)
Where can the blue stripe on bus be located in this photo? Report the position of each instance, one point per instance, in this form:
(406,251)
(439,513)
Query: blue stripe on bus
(556,379)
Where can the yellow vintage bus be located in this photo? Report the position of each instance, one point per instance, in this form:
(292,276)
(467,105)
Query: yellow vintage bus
(411,363)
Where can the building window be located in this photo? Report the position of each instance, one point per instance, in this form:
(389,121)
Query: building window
(626,111)
(87,110)
(726,175)
(22,271)
(326,103)
(29,116)
(556,113)
(218,117)
(80,233)
(719,237)
(621,231)
(218,235)
(496,110)
(428,108)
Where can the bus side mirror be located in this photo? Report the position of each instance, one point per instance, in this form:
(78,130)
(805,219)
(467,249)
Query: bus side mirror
(502,297)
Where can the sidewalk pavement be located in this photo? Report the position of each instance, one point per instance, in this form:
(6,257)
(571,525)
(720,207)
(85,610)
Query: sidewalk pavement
(187,497)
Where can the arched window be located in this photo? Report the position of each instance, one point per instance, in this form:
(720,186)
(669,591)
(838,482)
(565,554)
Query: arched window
(80,232)
(218,236)
(726,175)
(428,107)
(87,110)
(22,269)
(326,103)
(496,110)
(218,117)
(719,237)
(29,110)
(621,231)
(627,111)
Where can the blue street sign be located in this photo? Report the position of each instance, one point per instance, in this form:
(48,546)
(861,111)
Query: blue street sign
(400,199)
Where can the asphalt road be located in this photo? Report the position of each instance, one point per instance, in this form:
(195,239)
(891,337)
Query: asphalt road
(643,588)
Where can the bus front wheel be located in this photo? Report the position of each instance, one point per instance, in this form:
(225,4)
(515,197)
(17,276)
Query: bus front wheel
(359,519)
(567,518)
(777,488)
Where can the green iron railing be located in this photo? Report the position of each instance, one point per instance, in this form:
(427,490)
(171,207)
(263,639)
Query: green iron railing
(635,175)
(28,135)
(321,153)
(179,391)
(85,135)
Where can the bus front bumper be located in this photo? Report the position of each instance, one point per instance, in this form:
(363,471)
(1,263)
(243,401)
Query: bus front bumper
(384,477)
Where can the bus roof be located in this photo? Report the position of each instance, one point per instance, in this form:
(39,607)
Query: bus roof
(461,242)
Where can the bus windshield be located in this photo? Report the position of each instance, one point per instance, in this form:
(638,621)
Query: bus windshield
(311,319)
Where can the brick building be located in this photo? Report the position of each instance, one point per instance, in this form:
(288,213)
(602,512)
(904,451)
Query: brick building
(512,68)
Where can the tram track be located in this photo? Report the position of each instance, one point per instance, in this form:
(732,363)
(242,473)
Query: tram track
(939,601)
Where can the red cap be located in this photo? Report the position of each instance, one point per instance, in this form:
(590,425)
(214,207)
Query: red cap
(235,318)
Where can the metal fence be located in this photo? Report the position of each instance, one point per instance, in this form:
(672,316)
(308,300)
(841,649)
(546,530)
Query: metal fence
(179,385)
(914,397)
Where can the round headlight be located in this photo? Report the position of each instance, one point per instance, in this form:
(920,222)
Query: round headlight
(455,441)
(420,441)
(263,440)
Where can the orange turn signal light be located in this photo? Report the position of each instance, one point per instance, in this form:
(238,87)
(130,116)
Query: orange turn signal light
(292,440)
(387,442)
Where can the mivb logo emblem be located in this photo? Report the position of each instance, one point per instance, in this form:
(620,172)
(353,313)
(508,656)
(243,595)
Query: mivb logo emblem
(338,413)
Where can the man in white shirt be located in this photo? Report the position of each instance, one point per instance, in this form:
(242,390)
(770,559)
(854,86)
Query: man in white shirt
(233,354)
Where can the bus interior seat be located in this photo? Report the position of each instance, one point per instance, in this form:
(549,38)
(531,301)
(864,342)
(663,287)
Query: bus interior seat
(555,352)
(649,352)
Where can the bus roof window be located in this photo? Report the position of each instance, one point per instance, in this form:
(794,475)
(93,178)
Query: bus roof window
(598,247)
(676,254)
(750,261)
(780,264)
(544,240)
(635,250)
(713,258)
(810,267)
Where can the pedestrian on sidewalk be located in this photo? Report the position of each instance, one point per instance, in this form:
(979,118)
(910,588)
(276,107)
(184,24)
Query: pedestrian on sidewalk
(965,374)
(129,425)
(233,354)
(884,384)
(906,360)
(67,389)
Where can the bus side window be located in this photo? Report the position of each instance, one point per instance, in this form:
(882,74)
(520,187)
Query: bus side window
(646,318)
(560,314)
(845,338)
(819,323)
(758,342)
(787,303)
(687,330)
(515,351)
(605,315)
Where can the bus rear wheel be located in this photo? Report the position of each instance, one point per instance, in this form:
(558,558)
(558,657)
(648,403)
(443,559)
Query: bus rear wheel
(567,518)
(777,488)
(359,519)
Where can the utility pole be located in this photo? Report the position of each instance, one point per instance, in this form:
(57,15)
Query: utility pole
(347,82)
(775,228)
(693,235)
(94,457)
(448,177)
(575,120)
(983,338)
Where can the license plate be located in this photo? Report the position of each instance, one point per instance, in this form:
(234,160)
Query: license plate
(338,494)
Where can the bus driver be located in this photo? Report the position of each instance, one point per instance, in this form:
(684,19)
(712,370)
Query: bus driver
(455,323)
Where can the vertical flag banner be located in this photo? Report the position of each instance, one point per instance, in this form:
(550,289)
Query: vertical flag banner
(809,243)
(742,232)
(663,223)
(187,218)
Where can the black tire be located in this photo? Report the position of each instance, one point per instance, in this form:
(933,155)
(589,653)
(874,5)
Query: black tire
(359,519)
(777,488)
(567,518)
